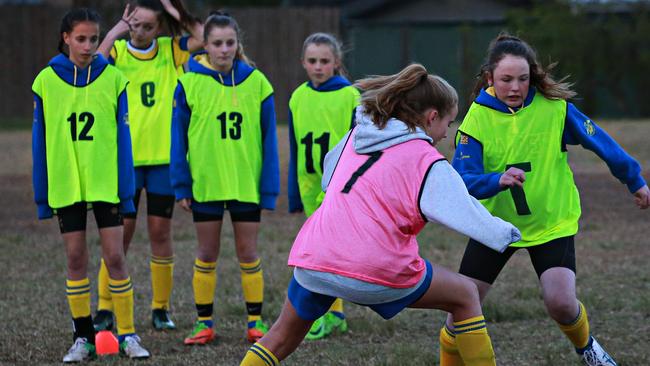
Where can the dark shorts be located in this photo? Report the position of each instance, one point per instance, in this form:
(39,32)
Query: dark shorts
(160,194)
(157,205)
(214,210)
(73,218)
(311,305)
(482,263)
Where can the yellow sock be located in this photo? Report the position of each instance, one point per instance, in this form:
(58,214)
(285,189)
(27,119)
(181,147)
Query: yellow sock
(474,344)
(122,294)
(337,306)
(449,355)
(252,283)
(105,302)
(162,281)
(578,330)
(78,293)
(204,283)
(259,355)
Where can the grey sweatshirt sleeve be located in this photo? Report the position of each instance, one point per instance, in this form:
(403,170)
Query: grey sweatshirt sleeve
(331,159)
(445,200)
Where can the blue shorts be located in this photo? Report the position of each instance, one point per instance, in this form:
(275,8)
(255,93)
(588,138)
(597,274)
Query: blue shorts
(311,305)
(213,211)
(154,179)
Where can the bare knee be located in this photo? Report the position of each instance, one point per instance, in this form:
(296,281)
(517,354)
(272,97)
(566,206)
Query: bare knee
(470,291)
(114,261)
(159,235)
(77,262)
(562,309)
(247,253)
(468,297)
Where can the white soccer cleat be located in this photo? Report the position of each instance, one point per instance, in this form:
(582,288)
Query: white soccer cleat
(131,347)
(80,351)
(595,355)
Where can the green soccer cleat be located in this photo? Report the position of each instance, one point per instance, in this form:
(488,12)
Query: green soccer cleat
(336,323)
(103,320)
(201,334)
(161,321)
(256,330)
(317,330)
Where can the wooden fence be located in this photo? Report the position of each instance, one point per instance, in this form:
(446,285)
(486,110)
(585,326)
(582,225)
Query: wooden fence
(273,39)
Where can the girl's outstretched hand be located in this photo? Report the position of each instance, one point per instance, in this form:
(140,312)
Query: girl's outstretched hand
(512,177)
(185,204)
(642,197)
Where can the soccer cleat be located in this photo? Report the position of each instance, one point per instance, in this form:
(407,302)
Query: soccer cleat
(160,320)
(317,330)
(201,334)
(103,320)
(132,348)
(334,322)
(256,330)
(81,350)
(595,355)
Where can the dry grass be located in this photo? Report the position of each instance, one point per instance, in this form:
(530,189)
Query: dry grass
(613,282)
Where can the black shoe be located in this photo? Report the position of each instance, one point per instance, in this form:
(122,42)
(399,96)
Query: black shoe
(161,321)
(103,320)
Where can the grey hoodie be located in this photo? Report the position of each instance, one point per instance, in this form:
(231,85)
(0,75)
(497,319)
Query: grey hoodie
(444,196)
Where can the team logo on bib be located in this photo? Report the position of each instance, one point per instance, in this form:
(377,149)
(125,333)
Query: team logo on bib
(589,128)
(126,118)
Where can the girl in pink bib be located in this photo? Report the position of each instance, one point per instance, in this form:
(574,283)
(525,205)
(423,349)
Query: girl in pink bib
(384,181)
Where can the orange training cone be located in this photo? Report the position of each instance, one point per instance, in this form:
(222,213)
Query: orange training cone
(106,343)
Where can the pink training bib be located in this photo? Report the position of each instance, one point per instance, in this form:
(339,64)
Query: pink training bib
(367,225)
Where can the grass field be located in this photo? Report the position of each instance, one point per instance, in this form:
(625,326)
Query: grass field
(613,281)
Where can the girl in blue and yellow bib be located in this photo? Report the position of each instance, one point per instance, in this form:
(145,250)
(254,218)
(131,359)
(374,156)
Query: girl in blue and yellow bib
(224,156)
(321,111)
(511,153)
(151,64)
(82,158)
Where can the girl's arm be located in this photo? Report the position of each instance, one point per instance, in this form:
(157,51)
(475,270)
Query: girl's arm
(295,203)
(39,161)
(445,200)
(120,29)
(468,162)
(195,42)
(179,168)
(579,129)
(126,175)
(270,178)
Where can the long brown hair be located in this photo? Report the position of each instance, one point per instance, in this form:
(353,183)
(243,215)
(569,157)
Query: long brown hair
(406,96)
(222,20)
(540,77)
(175,27)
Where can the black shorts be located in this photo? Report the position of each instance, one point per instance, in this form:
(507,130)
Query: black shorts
(482,263)
(73,218)
(160,205)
